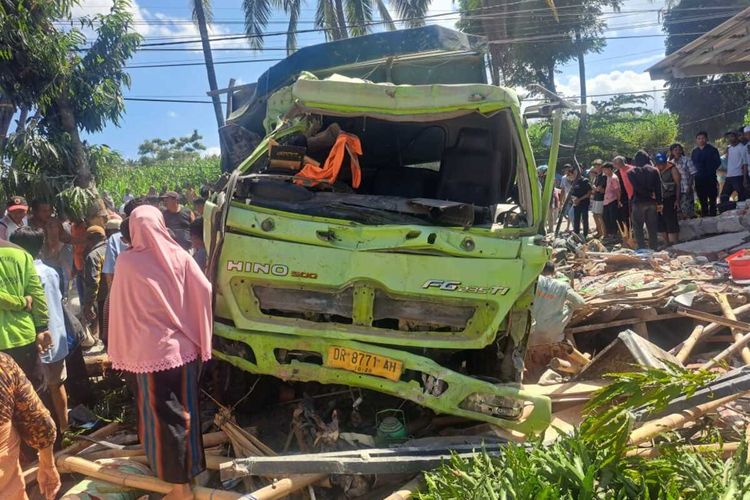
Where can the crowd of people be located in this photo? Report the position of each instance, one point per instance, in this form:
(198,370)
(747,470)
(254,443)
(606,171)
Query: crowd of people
(651,193)
(138,275)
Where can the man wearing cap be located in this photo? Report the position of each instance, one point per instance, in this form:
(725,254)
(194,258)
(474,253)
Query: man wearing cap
(14,218)
(737,162)
(94,284)
(178,219)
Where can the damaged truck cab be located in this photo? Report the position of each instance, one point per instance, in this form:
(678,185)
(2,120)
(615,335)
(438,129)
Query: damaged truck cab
(384,232)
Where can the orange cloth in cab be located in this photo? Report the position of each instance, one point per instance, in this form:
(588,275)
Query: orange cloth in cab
(329,172)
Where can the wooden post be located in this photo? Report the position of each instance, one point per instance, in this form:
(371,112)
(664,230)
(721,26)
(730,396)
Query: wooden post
(209,440)
(75,464)
(406,492)
(738,345)
(726,309)
(726,449)
(285,487)
(29,475)
(674,421)
(689,344)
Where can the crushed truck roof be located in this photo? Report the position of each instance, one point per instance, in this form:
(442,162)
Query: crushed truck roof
(340,95)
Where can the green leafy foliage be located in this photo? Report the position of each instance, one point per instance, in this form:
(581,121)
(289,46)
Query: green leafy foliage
(618,126)
(593,462)
(544,33)
(78,203)
(74,82)
(339,18)
(122,179)
(184,148)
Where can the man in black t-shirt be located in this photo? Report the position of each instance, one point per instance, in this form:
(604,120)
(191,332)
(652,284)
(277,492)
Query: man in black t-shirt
(178,219)
(707,160)
(580,195)
(597,197)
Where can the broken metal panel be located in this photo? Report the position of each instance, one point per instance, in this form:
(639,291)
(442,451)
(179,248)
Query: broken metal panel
(456,388)
(398,460)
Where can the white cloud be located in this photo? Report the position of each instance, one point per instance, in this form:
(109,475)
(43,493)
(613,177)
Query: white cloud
(445,13)
(90,8)
(642,61)
(615,82)
(212,151)
(172,114)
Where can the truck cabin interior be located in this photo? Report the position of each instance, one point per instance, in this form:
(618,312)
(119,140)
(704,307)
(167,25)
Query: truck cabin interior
(472,160)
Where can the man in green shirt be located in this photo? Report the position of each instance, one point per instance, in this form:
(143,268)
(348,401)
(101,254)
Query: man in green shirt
(23,311)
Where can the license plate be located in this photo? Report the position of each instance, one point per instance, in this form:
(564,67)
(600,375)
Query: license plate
(364,362)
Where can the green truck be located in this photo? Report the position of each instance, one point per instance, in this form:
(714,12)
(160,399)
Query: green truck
(412,273)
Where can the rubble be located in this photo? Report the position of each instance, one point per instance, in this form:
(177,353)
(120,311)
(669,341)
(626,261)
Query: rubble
(642,310)
(731,221)
(716,246)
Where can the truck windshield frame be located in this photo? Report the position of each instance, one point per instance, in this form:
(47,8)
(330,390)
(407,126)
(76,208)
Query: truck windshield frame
(473,159)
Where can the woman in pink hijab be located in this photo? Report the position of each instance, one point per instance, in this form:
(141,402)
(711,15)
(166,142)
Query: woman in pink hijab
(160,329)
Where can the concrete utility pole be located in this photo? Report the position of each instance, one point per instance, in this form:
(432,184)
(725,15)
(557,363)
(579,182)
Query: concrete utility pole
(200,17)
(581,67)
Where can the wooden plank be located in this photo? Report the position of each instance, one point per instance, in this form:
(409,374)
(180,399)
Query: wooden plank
(620,322)
(568,389)
(713,318)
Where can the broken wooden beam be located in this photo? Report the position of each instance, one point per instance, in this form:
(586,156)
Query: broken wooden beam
(737,332)
(148,483)
(713,318)
(674,421)
(564,366)
(284,487)
(406,492)
(739,345)
(620,322)
(689,344)
(726,449)
(29,475)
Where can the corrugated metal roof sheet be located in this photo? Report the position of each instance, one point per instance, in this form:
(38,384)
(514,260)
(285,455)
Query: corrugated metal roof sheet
(724,49)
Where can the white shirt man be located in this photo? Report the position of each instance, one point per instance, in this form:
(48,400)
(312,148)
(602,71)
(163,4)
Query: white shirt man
(737,160)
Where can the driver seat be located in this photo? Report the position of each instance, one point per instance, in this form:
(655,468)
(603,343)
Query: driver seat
(469,170)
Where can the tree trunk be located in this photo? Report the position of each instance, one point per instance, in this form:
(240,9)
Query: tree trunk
(200,16)
(80,165)
(494,25)
(551,86)
(22,117)
(7,110)
(341,18)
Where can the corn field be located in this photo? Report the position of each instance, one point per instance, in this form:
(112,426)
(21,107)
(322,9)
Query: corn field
(177,175)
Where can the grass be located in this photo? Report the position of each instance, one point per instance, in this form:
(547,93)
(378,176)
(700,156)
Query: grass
(174,175)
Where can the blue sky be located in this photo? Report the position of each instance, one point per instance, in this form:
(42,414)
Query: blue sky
(619,68)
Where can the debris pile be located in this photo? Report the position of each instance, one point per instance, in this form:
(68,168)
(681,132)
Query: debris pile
(670,323)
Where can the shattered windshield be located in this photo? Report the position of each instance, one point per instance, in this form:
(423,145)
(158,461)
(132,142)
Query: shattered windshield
(460,171)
